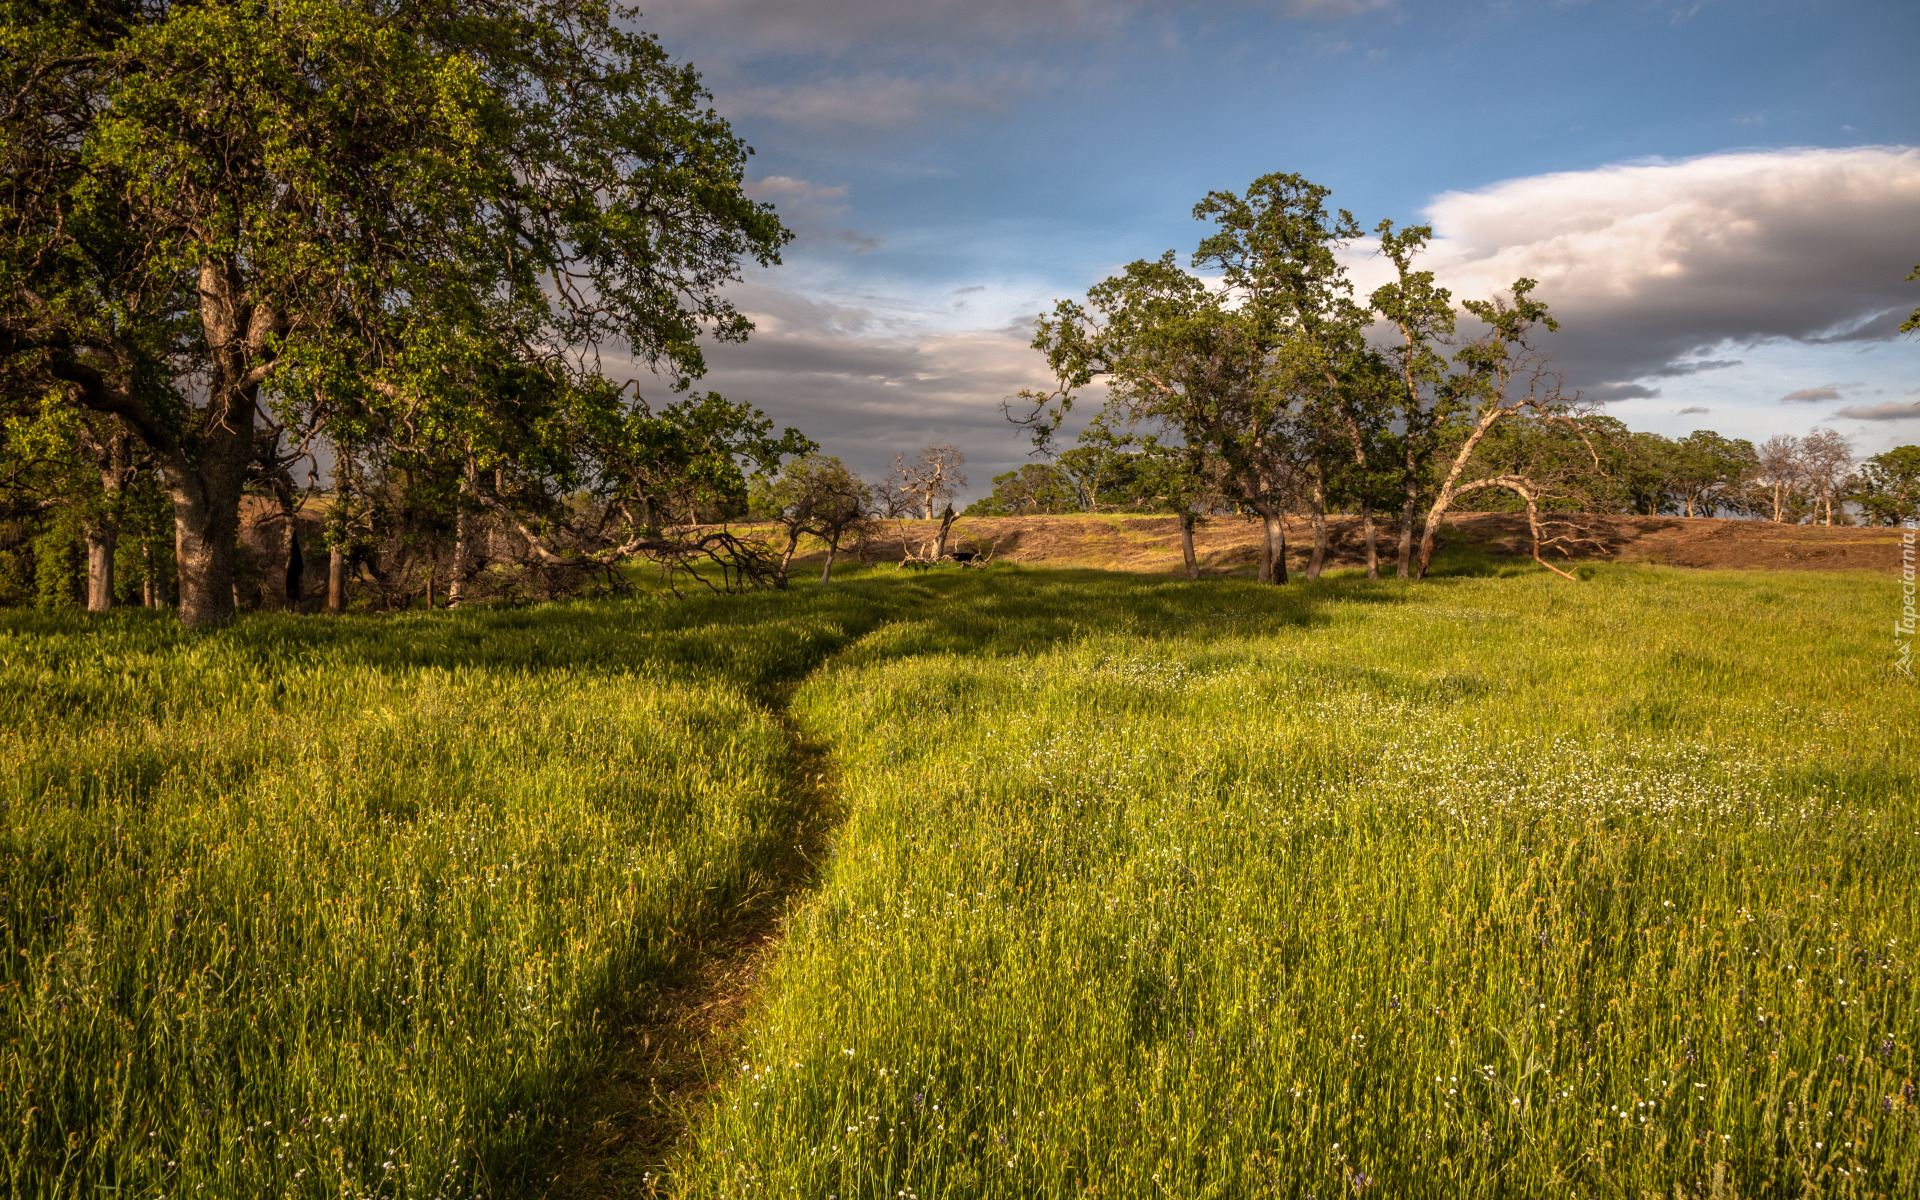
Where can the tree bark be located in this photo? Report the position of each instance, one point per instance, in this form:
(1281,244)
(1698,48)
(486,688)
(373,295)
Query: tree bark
(462,550)
(1274,545)
(336,581)
(1186,545)
(206,490)
(826,572)
(1373,548)
(206,521)
(786,557)
(1319,517)
(940,543)
(100,541)
(1409,506)
(462,540)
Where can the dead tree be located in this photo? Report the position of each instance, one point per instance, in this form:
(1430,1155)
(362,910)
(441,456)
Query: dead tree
(927,481)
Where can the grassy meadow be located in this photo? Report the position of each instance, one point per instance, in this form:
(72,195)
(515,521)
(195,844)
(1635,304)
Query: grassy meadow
(338,908)
(1492,885)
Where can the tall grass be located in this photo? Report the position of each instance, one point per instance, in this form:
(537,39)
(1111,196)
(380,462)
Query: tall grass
(1483,887)
(310,908)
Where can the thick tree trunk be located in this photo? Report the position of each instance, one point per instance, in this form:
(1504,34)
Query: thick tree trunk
(1186,545)
(826,572)
(206,492)
(337,581)
(206,521)
(1274,545)
(100,543)
(1319,558)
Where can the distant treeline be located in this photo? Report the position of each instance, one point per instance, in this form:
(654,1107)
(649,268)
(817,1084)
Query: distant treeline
(1798,480)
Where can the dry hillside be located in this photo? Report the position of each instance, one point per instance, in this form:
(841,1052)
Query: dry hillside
(1229,544)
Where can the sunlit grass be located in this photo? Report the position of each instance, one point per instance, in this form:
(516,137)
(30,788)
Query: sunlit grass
(1484,886)
(340,908)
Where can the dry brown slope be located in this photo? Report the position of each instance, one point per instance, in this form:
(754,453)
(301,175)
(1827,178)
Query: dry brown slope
(1229,544)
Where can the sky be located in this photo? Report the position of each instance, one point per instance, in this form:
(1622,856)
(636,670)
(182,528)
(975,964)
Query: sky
(1721,201)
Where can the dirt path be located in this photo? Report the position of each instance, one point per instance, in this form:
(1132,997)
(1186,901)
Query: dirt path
(668,1050)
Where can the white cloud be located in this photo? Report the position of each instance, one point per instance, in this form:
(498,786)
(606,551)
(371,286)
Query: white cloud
(1650,264)
(1891,410)
(1812,395)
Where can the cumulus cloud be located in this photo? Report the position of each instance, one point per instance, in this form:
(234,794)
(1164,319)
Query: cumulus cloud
(1650,265)
(1891,410)
(1812,395)
(870,379)
(1657,271)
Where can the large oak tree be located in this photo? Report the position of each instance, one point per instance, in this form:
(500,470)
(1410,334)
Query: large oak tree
(222,216)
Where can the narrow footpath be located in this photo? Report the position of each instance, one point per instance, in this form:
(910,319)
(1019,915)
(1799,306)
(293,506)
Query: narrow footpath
(668,1053)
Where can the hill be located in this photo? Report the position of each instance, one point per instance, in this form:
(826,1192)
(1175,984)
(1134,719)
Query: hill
(1229,545)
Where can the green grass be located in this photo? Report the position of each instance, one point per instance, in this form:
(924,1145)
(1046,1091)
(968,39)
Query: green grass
(1486,886)
(340,908)
(1491,885)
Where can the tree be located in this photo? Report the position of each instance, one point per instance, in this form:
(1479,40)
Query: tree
(1188,359)
(1826,457)
(813,495)
(311,208)
(1278,250)
(1033,489)
(927,481)
(1423,315)
(1781,472)
(1912,323)
(1887,486)
(1500,377)
(1711,472)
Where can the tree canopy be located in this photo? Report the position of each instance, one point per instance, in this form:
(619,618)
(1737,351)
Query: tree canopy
(239,228)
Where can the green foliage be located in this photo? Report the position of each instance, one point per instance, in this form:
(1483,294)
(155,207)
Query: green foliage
(59,568)
(1887,486)
(411,225)
(1478,887)
(1030,490)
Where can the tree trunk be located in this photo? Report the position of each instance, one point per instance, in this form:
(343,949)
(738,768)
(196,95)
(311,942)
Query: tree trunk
(100,543)
(296,571)
(1274,539)
(1319,516)
(940,543)
(793,542)
(462,539)
(206,521)
(206,492)
(826,572)
(1409,506)
(336,581)
(1373,547)
(1186,545)
(149,593)
(462,550)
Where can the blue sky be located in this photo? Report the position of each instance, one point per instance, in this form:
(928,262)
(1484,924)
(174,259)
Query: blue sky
(1720,199)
